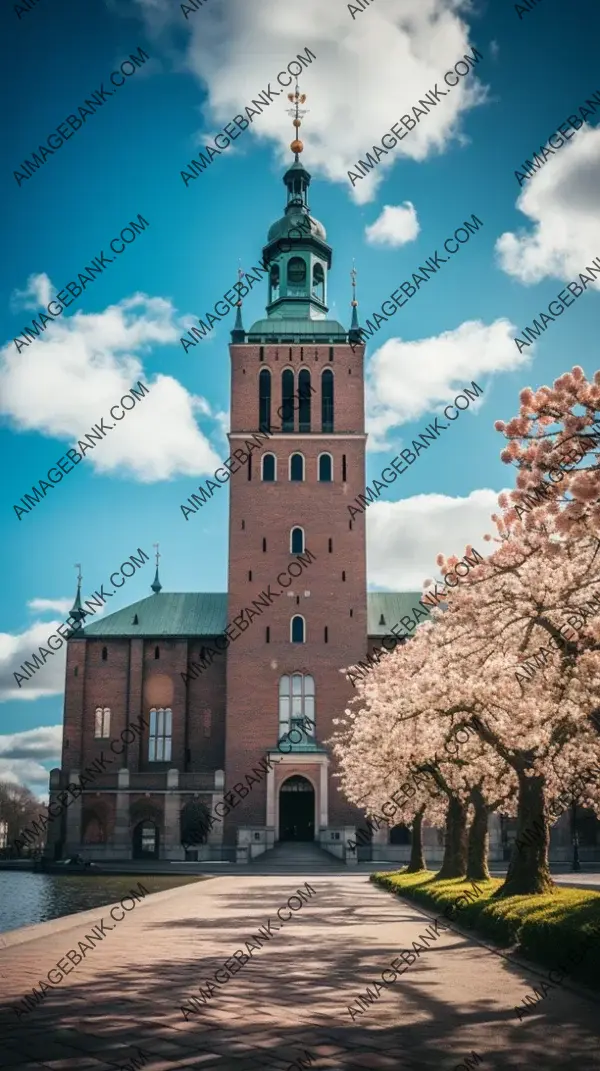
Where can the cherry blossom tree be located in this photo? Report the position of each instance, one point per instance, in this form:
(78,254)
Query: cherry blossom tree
(554,442)
(466,662)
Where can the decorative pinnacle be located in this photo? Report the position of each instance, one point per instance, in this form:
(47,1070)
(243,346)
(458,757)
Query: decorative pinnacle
(156,587)
(240,277)
(79,575)
(296,98)
(353,274)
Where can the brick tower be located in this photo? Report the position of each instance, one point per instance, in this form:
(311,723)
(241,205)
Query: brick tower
(295,375)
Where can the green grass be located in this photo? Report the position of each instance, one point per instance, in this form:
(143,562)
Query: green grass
(549,929)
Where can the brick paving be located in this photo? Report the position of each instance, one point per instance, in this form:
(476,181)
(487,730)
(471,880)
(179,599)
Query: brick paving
(291,997)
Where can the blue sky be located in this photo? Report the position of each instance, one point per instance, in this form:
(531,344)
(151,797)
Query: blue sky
(127,159)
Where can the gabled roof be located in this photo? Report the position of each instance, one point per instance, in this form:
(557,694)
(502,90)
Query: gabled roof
(205,614)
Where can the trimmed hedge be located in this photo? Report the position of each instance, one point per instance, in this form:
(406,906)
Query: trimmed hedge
(555,929)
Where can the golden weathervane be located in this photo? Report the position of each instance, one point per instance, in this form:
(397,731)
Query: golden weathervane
(296,98)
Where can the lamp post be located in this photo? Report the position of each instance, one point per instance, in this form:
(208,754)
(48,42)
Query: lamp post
(576,865)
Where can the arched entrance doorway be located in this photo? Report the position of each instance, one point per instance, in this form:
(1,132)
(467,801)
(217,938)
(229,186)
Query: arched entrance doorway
(146,840)
(297,809)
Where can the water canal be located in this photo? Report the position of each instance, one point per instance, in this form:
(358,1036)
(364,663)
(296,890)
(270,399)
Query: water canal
(28,897)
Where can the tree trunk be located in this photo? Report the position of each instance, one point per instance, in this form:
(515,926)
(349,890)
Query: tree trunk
(528,871)
(454,864)
(477,852)
(417,859)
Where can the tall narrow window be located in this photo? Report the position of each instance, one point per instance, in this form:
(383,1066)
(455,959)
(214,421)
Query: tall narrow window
(304,396)
(325,468)
(157,652)
(264,400)
(296,702)
(104,654)
(326,636)
(343,468)
(269,468)
(159,740)
(102,722)
(297,629)
(318,287)
(330,546)
(264,546)
(296,467)
(287,400)
(268,634)
(327,400)
(297,541)
(274,283)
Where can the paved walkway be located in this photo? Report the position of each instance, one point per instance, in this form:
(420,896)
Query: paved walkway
(290,998)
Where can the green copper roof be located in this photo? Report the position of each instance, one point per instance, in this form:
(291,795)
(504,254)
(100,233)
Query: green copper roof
(205,614)
(282,227)
(306,330)
(392,606)
(166,614)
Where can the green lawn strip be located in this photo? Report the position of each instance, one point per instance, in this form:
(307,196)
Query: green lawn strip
(550,929)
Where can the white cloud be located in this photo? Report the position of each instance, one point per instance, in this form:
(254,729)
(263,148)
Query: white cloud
(22,755)
(42,606)
(26,772)
(404,538)
(368,72)
(37,292)
(397,225)
(69,378)
(43,743)
(408,379)
(562,203)
(49,679)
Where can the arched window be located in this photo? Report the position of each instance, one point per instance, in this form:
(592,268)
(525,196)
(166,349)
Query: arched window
(159,740)
(94,831)
(297,629)
(318,285)
(297,541)
(264,400)
(297,703)
(287,400)
(304,396)
(325,468)
(104,654)
(296,272)
(157,652)
(327,400)
(102,722)
(269,468)
(274,283)
(297,467)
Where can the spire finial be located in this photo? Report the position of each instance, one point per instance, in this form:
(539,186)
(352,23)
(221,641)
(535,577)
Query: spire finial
(77,611)
(354,333)
(238,334)
(296,98)
(156,586)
